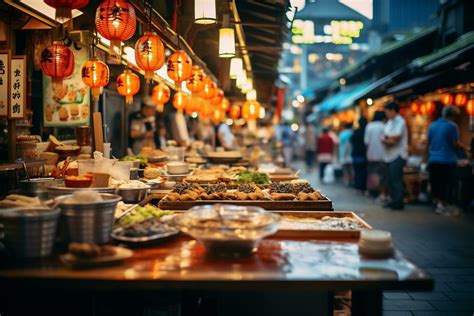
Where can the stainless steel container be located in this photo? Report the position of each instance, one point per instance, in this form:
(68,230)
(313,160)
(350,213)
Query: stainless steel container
(29,232)
(88,222)
(133,195)
(38,186)
(56,190)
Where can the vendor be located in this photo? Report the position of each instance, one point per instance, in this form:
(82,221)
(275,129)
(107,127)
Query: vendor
(143,128)
(225,137)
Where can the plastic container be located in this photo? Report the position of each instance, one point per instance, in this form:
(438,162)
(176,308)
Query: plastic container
(121,170)
(95,166)
(175,153)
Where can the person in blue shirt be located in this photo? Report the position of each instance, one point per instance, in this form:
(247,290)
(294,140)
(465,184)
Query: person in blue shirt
(344,153)
(443,141)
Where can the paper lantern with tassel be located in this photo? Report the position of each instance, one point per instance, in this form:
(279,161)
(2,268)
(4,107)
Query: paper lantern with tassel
(447,99)
(460,99)
(470,107)
(216,100)
(128,84)
(218,116)
(95,74)
(251,110)
(64,9)
(149,54)
(180,66)
(57,61)
(180,101)
(415,107)
(206,109)
(194,105)
(225,105)
(195,83)
(234,112)
(161,94)
(209,89)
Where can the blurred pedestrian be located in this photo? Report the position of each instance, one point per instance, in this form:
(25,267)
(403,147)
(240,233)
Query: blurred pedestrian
(395,139)
(443,141)
(325,151)
(345,150)
(287,142)
(375,155)
(310,146)
(359,159)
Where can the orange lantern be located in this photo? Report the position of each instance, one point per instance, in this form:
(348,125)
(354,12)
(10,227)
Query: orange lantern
(209,89)
(415,108)
(195,83)
(180,101)
(234,112)
(95,74)
(447,99)
(251,110)
(225,105)
(128,84)
(161,94)
(116,21)
(470,107)
(64,9)
(218,116)
(427,108)
(206,109)
(57,61)
(179,67)
(194,105)
(149,54)
(460,99)
(216,100)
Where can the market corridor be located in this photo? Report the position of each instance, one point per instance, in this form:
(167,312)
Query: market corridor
(443,246)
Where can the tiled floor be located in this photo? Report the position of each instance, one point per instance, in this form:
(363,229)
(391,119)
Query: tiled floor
(443,246)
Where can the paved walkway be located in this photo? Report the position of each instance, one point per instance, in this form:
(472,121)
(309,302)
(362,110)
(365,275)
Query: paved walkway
(442,246)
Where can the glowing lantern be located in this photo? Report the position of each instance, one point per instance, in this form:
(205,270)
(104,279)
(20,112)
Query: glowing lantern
(64,8)
(251,110)
(427,108)
(447,99)
(115,20)
(180,101)
(128,84)
(470,107)
(226,42)
(209,89)
(236,67)
(57,61)
(218,116)
(206,109)
(195,83)
(415,108)
(218,97)
(205,11)
(179,66)
(95,74)
(149,54)
(193,105)
(161,94)
(234,112)
(225,105)
(460,99)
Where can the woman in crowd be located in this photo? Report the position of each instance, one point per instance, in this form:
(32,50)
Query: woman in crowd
(345,149)
(375,154)
(359,160)
(325,150)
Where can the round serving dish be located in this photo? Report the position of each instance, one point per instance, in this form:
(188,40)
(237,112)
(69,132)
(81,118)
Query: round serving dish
(133,195)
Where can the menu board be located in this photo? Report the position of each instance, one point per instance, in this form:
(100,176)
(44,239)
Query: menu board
(17,88)
(4,81)
(67,104)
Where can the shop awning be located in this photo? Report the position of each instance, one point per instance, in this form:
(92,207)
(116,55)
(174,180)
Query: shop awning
(343,99)
(409,85)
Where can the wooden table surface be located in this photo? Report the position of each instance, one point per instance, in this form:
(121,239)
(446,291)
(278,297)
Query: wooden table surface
(182,263)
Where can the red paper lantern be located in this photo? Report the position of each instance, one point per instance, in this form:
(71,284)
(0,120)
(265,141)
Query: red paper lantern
(460,99)
(150,54)
(180,101)
(216,100)
(225,105)
(470,107)
(128,84)
(161,94)
(64,8)
(195,83)
(447,99)
(234,112)
(251,110)
(95,74)
(415,108)
(194,105)
(218,116)
(116,21)
(57,61)
(427,108)
(179,67)
(209,89)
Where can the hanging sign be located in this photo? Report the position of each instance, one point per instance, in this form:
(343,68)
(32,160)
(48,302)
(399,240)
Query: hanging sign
(17,88)
(4,82)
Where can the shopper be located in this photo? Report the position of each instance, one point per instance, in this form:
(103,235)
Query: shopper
(225,137)
(443,140)
(359,159)
(345,150)
(310,146)
(325,151)
(395,139)
(375,154)
(287,137)
(142,128)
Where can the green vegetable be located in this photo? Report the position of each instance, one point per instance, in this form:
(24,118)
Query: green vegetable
(252,177)
(140,158)
(141,213)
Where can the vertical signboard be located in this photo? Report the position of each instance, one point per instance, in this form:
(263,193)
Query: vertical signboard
(17,88)
(4,81)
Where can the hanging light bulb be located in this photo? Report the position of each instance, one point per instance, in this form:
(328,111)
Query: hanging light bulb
(236,67)
(241,80)
(247,86)
(262,113)
(205,11)
(251,95)
(226,39)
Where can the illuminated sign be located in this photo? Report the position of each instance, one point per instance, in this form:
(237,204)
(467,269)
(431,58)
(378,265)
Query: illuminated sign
(337,32)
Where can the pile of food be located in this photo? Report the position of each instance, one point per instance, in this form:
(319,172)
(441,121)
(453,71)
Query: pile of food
(148,228)
(214,175)
(89,251)
(289,222)
(17,200)
(246,176)
(142,213)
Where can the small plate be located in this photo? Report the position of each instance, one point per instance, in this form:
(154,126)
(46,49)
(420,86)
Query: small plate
(120,255)
(143,240)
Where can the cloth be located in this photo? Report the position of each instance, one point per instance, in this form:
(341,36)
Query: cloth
(373,140)
(226,137)
(442,135)
(142,124)
(325,148)
(345,147)
(395,179)
(442,178)
(396,127)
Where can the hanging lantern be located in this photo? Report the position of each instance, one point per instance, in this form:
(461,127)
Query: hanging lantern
(226,39)
(161,94)
(263,112)
(415,107)
(195,83)
(128,84)
(57,61)
(225,105)
(251,110)
(216,100)
(64,9)
(205,11)
(194,105)
(241,79)
(470,107)
(180,101)
(427,108)
(115,20)
(248,86)
(206,109)
(149,54)
(218,116)
(251,95)
(209,89)
(460,99)
(236,67)
(234,112)
(447,99)
(179,66)
(95,74)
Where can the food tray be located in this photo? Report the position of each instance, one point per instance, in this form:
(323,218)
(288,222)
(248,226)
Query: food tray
(322,233)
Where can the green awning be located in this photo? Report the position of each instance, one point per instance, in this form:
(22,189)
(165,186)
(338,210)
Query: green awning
(344,99)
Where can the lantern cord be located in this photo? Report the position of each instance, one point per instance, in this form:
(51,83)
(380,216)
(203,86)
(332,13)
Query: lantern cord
(176,19)
(150,12)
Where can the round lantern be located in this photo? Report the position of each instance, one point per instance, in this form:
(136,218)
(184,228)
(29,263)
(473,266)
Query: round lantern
(218,116)
(149,54)
(234,112)
(251,110)
(415,108)
(180,101)
(195,83)
(470,107)
(64,9)
(128,84)
(193,105)
(206,109)
(427,108)
(179,66)
(460,99)
(161,94)
(209,89)
(225,105)
(216,100)
(115,20)
(57,61)
(95,74)
(447,99)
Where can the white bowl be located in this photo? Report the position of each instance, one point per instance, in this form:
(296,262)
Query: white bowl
(177,167)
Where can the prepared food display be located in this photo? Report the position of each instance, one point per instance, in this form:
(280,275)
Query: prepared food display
(325,223)
(18,200)
(142,213)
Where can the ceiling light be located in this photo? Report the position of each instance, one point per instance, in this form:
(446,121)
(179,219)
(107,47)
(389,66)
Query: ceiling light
(300,98)
(294,127)
(241,79)
(46,10)
(226,39)
(236,67)
(251,95)
(204,11)
(370,101)
(295,104)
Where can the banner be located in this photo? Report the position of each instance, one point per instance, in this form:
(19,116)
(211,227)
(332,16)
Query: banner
(17,88)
